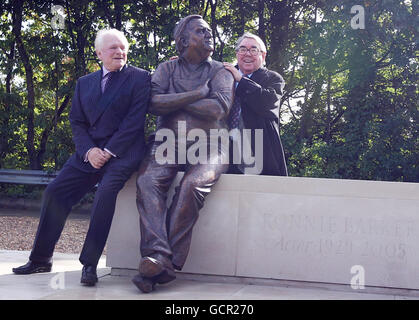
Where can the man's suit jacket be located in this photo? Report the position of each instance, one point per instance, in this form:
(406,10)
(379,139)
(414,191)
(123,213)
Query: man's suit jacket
(112,120)
(259,97)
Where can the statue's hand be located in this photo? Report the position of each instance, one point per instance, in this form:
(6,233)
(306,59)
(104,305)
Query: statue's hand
(204,89)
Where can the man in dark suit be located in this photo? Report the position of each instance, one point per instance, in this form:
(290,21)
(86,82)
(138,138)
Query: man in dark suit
(107,120)
(257,96)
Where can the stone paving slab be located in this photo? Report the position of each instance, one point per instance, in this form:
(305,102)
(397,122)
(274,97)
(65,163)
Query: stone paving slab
(63,283)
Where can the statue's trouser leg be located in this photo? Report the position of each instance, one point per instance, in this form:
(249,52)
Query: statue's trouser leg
(153,183)
(188,200)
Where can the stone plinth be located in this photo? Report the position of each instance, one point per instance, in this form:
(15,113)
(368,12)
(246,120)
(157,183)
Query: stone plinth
(301,229)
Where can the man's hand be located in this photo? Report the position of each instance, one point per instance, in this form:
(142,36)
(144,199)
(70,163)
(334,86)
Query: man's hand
(98,157)
(236,74)
(107,155)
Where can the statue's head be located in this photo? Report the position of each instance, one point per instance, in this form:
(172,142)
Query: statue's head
(193,33)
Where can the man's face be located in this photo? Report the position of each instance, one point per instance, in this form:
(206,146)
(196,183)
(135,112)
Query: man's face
(113,53)
(249,63)
(200,37)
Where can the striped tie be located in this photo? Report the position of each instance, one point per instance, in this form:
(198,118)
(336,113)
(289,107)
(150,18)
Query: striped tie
(110,75)
(234,115)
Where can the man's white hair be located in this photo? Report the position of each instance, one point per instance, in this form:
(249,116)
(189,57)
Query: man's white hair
(102,33)
(254,37)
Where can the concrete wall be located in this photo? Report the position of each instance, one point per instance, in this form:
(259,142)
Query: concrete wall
(289,228)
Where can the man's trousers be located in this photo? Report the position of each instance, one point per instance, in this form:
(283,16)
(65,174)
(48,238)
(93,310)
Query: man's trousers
(63,193)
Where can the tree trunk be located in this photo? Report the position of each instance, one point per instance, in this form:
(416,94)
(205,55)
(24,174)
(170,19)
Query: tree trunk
(4,143)
(78,30)
(242,21)
(50,128)
(329,118)
(261,14)
(118,14)
(280,19)
(17,25)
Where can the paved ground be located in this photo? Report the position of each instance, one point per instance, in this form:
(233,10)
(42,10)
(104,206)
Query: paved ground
(63,283)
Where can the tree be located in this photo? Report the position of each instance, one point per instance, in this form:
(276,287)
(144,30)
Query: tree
(350,106)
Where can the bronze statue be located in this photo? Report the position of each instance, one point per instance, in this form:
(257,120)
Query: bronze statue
(192,92)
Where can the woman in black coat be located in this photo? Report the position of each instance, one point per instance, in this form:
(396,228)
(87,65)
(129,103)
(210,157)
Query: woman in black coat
(257,97)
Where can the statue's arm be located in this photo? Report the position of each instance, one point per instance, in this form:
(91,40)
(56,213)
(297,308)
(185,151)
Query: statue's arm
(162,104)
(206,109)
(217,105)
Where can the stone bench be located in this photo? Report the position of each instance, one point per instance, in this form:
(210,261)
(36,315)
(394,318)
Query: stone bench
(293,229)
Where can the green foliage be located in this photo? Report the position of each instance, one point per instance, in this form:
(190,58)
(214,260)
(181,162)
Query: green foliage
(21,191)
(350,107)
(358,119)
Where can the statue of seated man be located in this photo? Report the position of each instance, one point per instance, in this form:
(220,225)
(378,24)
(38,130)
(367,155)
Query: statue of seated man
(192,92)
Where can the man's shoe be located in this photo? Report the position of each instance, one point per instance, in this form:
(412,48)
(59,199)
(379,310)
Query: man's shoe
(88,276)
(145,285)
(33,267)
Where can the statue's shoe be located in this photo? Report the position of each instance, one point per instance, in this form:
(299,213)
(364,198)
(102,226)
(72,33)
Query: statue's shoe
(150,267)
(145,285)
(158,271)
